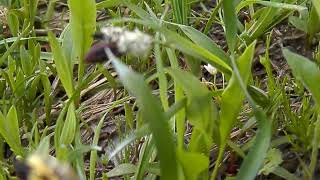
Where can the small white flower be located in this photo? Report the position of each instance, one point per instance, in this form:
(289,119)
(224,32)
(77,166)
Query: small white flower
(132,42)
(211,69)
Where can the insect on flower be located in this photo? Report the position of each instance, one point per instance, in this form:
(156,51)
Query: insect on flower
(120,42)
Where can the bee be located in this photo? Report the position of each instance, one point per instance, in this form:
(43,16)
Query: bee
(39,167)
(97,52)
(120,42)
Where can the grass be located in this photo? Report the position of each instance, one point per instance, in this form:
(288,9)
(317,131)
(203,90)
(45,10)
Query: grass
(161,115)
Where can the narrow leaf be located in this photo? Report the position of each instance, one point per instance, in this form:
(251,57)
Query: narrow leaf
(153,114)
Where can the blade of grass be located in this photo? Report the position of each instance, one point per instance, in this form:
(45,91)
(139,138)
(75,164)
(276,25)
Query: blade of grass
(24,33)
(230,21)
(179,95)
(270,4)
(69,127)
(231,102)
(212,16)
(93,154)
(63,66)
(204,41)
(316,5)
(254,159)
(82,28)
(161,75)
(152,113)
(9,129)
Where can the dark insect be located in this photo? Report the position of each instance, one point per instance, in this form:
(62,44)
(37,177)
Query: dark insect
(97,52)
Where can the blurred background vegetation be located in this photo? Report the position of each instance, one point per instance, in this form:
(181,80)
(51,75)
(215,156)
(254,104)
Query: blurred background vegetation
(229,90)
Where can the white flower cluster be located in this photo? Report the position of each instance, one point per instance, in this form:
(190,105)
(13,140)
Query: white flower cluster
(211,69)
(132,42)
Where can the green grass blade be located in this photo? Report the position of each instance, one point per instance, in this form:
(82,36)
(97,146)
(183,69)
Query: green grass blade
(230,21)
(13,124)
(192,170)
(181,10)
(315,147)
(147,149)
(63,66)
(231,102)
(69,127)
(179,95)
(253,161)
(83,26)
(153,114)
(201,112)
(108,4)
(24,33)
(9,129)
(270,4)
(93,154)
(232,97)
(212,17)
(205,42)
(163,84)
(316,5)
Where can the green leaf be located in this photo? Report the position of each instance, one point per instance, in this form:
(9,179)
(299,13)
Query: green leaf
(205,42)
(63,66)
(82,27)
(108,4)
(122,169)
(93,154)
(305,71)
(230,21)
(316,5)
(299,23)
(163,83)
(198,165)
(232,97)
(47,91)
(13,125)
(67,43)
(24,33)
(253,161)
(127,169)
(270,4)
(9,129)
(272,161)
(26,63)
(201,111)
(153,114)
(69,127)
(313,22)
(13,22)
